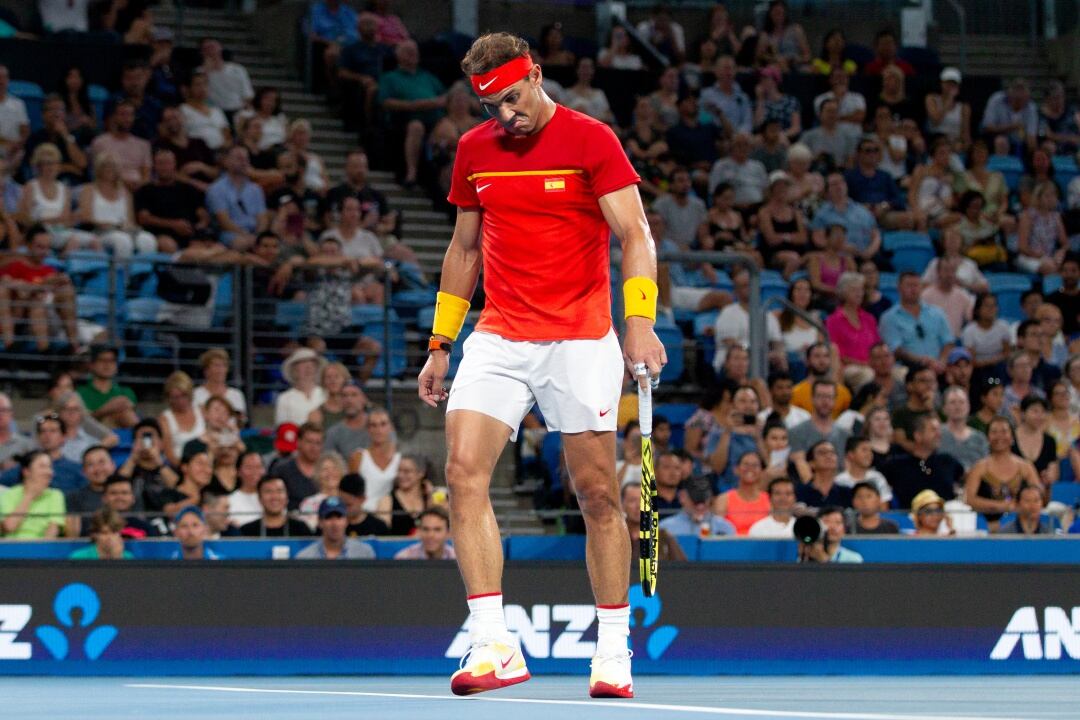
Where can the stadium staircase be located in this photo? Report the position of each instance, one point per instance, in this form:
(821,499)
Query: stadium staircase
(424,229)
(1004,56)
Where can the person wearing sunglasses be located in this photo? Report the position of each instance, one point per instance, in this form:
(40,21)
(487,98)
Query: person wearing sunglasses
(917,332)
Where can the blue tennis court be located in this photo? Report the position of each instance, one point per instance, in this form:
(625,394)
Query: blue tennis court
(543,698)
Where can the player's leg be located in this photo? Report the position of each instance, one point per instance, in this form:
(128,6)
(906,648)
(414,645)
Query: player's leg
(487,402)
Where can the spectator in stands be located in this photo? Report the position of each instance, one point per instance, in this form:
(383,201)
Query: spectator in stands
(236,203)
(958,438)
(851,106)
(987,337)
(312,165)
(334,378)
(693,143)
(109,402)
(859,469)
(947,114)
(991,402)
(868,505)
(712,408)
(433,527)
(244,500)
(722,230)
(780,522)
(196,475)
(12,442)
(49,436)
(45,199)
(131,153)
(826,266)
(106,542)
(885,54)
(798,333)
(361,523)
(182,420)
(878,191)
(134,79)
(81,431)
(97,466)
(733,324)
(822,489)
(391,30)
(329,469)
(892,96)
(968,275)
(121,499)
(1058,120)
(863,240)
(923,467)
(994,482)
(629,464)
(956,303)
(746,503)
(275,522)
(169,208)
(664,33)
(821,364)
(745,175)
(807,185)
(1029,519)
(726,102)
(1012,113)
(894,157)
(921,389)
(267,108)
(1029,338)
(164,84)
(990,184)
(30,289)
(414,100)
(10,193)
(696,518)
(1067,297)
(733,436)
(773,105)
(14,121)
(349,434)
(106,206)
(356,241)
(665,99)
(1038,169)
(411,495)
(647,147)
(878,429)
(201,120)
(378,463)
(833,55)
(54,130)
(263,163)
(1033,443)
(459,119)
(784,235)
(772,149)
(874,301)
(852,329)
(195,162)
(1062,424)
(80,117)
(362,62)
(868,396)
(931,187)
(228,85)
(299,471)
(820,427)
(585,98)
(929,516)
(191,533)
(781,410)
(215,508)
(915,331)
(32,509)
(376,213)
(618,53)
(668,547)
(1042,238)
(333,26)
(682,212)
(832,141)
(333,543)
(788,38)
(668,479)
(1054,350)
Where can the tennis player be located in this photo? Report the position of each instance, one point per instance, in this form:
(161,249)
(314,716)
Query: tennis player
(538,189)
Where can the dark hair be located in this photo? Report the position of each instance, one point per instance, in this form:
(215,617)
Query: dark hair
(150,423)
(34,230)
(829,510)
(265,234)
(436,511)
(853,442)
(967,199)
(779,481)
(50,417)
(1029,165)
(768,25)
(814,347)
(919,422)
(813,449)
(980,300)
(1031,400)
(208,495)
(659,420)
(545,33)
(266,480)
(93,448)
(778,376)
(914,368)
(308,427)
(242,456)
(1072,257)
(787,315)
(821,382)
(1030,486)
(1024,326)
(907,274)
(755,453)
(825,44)
(883,33)
(865,486)
(721,188)
(82,96)
(116,478)
(27,458)
(262,92)
(105,519)
(1028,293)
(866,393)
(630,425)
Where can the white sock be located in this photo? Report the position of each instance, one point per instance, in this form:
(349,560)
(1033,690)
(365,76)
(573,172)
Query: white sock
(486,619)
(613,632)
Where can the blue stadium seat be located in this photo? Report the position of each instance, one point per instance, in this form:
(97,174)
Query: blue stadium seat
(94,308)
(364,314)
(223,300)
(912,256)
(408,303)
(98,97)
(1009,166)
(887,284)
(1065,169)
(773,285)
(901,518)
(425,317)
(1009,517)
(672,338)
(1008,288)
(288,314)
(1065,492)
(550,451)
(142,310)
(34,97)
(1065,471)
(89,271)
(677,414)
(1051,283)
(458,350)
(904,238)
(397,347)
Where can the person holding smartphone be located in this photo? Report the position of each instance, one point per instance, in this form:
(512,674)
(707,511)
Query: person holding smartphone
(146,467)
(733,437)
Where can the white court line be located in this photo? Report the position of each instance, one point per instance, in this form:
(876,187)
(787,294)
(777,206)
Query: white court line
(624,705)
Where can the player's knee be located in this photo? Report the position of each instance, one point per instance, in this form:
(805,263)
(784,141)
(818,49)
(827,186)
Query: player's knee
(597,502)
(462,476)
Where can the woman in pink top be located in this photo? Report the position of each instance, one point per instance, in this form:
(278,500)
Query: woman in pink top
(852,329)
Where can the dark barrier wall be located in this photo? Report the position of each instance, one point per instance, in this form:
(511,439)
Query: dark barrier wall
(379,618)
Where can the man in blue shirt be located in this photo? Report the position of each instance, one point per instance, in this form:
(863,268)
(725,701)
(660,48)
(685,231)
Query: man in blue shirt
(236,204)
(878,191)
(859,224)
(332,24)
(916,332)
(49,436)
(190,530)
(359,66)
(726,101)
(696,518)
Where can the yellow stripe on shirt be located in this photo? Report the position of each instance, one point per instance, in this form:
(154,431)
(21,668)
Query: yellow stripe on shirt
(523,173)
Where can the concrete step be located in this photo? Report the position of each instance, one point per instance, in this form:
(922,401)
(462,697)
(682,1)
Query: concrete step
(433,229)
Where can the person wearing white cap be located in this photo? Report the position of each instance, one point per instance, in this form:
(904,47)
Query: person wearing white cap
(946,114)
(301,370)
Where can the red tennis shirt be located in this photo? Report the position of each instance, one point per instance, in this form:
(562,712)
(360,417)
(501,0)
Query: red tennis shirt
(545,242)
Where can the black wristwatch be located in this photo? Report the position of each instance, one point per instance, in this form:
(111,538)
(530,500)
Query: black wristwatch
(435,343)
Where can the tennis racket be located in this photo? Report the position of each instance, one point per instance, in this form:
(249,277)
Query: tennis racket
(648,564)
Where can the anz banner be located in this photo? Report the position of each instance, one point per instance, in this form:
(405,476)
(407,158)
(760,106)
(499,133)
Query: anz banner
(410,618)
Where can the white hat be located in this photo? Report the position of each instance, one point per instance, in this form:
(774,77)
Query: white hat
(300,356)
(951,74)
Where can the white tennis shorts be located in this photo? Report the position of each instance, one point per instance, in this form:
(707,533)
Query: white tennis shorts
(576,383)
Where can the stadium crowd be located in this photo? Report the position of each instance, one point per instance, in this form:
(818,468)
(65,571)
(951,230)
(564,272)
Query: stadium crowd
(908,369)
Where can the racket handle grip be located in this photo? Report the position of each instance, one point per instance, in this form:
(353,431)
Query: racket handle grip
(644,395)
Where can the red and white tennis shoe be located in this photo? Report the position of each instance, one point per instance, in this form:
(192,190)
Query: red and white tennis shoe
(611,676)
(489,665)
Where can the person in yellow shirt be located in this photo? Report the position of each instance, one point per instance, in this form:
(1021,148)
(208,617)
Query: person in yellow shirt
(822,363)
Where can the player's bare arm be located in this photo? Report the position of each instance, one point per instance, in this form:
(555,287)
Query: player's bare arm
(460,270)
(626,217)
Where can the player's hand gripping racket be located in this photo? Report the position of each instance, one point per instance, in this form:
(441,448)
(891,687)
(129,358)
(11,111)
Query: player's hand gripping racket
(649,560)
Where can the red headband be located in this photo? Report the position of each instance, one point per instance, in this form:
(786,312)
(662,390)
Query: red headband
(502,77)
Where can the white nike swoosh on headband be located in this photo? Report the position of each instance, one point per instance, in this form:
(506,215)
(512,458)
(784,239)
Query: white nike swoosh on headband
(485,86)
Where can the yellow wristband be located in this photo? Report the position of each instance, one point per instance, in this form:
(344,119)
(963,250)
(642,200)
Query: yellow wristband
(639,298)
(450,313)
